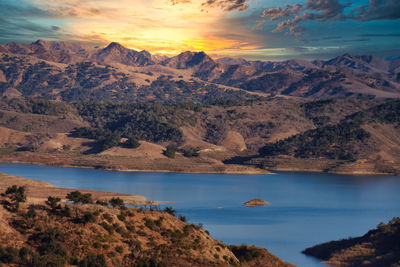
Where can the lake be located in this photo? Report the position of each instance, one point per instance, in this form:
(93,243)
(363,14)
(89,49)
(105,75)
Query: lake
(305,209)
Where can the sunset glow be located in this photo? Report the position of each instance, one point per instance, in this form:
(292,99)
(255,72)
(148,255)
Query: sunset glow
(218,27)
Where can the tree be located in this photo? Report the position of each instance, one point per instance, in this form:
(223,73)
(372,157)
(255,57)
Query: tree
(132,142)
(116,202)
(77,197)
(190,152)
(86,198)
(108,140)
(17,195)
(170,210)
(53,203)
(170,151)
(74,197)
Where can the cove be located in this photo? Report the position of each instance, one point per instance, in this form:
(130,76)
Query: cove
(305,209)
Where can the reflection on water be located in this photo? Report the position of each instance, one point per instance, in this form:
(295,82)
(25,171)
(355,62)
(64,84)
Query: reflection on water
(305,209)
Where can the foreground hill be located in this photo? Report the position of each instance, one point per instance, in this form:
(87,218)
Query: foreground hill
(47,233)
(71,72)
(378,247)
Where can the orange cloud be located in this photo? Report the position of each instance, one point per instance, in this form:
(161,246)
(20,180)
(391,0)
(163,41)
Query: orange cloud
(154,25)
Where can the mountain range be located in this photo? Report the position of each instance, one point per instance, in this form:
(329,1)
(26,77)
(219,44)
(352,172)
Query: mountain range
(68,71)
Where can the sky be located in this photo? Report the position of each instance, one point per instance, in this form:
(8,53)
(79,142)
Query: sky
(251,29)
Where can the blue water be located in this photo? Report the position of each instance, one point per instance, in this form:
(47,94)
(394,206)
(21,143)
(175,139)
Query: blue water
(306,208)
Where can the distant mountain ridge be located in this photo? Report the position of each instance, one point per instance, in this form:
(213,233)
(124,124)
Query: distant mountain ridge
(365,63)
(343,76)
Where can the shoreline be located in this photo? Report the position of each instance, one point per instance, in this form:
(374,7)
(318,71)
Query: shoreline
(38,191)
(248,169)
(270,171)
(330,172)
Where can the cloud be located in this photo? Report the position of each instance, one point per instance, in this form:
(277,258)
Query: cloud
(378,10)
(55,28)
(228,5)
(19,22)
(21,9)
(175,2)
(277,12)
(23,30)
(328,10)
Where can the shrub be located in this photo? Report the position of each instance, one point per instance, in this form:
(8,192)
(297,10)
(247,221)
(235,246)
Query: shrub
(109,228)
(17,195)
(182,218)
(132,142)
(121,217)
(66,211)
(77,197)
(170,210)
(150,224)
(96,245)
(89,217)
(108,217)
(119,249)
(102,203)
(170,151)
(116,202)
(190,152)
(93,261)
(9,255)
(130,227)
(141,233)
(53,203)
(244,253)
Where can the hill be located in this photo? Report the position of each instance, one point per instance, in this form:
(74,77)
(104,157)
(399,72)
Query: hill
(94,101)
(366,141)
(338,135)
(95,134)
(75,72)
(50,233)
(378,247)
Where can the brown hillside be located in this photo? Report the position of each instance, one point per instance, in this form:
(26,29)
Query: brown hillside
(38,234)
(378,247)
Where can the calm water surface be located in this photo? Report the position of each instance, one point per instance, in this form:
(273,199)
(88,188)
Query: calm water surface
(306,208)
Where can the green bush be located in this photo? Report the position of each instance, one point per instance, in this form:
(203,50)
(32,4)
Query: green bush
(89,217)
(170,151)
(119,249)
(53,203)
(77,197)
(116,202)
(121,217)
(244,253)
(182,218)
(170,211)
(109,228)
(132,142)
(190,152)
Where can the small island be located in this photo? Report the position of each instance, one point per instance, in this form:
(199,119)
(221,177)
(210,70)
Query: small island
(256,202)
